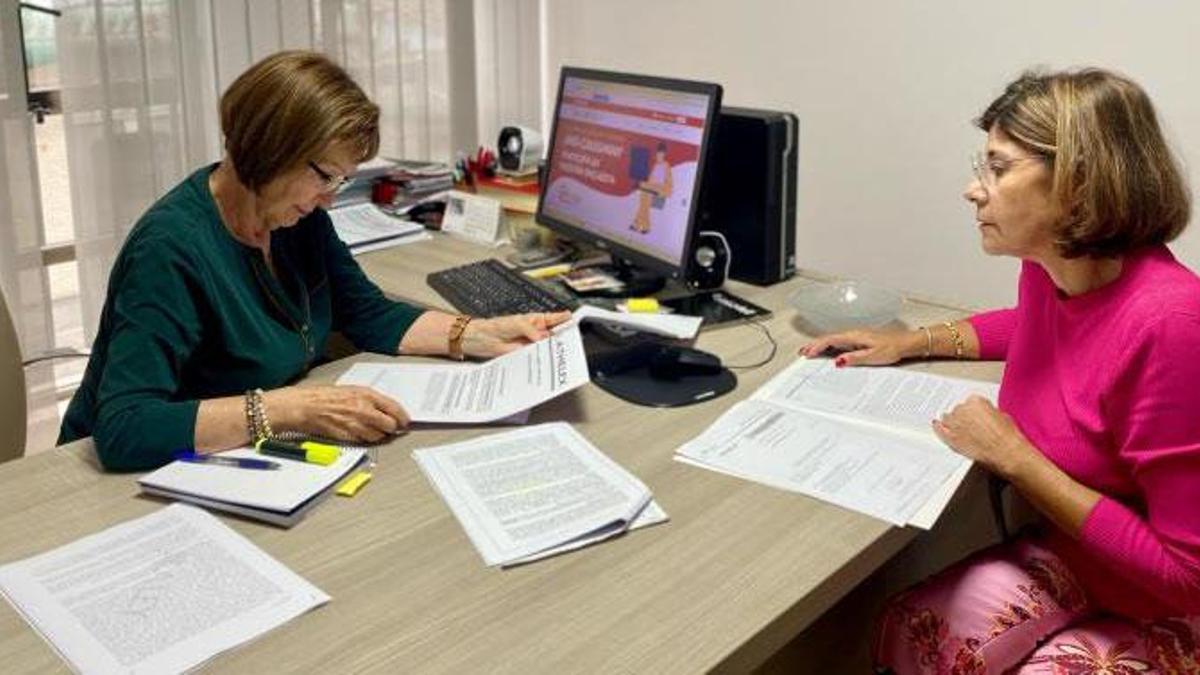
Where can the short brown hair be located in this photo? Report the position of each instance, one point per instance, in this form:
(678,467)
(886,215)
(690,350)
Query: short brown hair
(290,107)
(1115,177)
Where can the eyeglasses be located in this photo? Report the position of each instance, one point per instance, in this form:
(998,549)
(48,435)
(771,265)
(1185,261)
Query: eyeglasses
(332,184)
(989,169)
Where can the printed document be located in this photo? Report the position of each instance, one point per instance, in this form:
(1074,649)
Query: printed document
(857,467)
(481,392)
(891,397)
(530,493)
(855,437)
(159,594)
(362,225)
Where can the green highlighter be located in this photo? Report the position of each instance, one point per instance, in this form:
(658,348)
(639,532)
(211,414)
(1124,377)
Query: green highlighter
(308,451)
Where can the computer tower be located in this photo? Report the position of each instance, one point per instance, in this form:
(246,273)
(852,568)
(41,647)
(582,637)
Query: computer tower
(749,192)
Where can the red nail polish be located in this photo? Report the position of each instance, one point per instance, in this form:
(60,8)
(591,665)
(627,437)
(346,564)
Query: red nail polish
(841,361)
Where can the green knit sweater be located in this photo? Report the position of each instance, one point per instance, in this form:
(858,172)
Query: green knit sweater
(191,313)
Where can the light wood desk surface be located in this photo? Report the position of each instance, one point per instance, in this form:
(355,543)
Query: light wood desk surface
(739,569)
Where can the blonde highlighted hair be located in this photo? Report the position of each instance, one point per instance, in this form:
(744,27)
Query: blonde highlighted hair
(288,109)
(1114,176)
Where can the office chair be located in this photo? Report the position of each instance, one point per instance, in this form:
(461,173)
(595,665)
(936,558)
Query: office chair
(12,384)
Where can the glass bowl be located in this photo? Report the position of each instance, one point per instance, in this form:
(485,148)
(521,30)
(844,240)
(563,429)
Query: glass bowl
(834,306)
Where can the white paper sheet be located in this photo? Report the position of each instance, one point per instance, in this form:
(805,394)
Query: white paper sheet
(158,594)
(891,397)
(364,224)
(653,514)
(538,490)
(856,437)
(857,467)
(391,243)
(671,325)
(480,392)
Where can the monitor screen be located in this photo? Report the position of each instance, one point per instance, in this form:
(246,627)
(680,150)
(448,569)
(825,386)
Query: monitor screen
(625,163)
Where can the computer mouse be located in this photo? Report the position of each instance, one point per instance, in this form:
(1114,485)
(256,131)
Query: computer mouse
(673,363)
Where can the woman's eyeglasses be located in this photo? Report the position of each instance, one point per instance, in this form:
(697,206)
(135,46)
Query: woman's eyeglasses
(332,184)
(989,169)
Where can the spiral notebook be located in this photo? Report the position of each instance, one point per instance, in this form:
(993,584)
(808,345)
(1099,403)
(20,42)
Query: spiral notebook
(280,497)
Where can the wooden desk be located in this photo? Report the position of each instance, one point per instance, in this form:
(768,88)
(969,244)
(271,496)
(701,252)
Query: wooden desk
(738,571)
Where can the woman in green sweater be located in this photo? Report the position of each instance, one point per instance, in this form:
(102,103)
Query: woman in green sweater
(228,287)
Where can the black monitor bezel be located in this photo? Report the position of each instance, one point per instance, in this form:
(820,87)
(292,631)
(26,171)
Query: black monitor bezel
(675,269)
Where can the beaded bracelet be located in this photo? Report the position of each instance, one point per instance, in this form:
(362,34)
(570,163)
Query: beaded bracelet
(956,337)
(256,416)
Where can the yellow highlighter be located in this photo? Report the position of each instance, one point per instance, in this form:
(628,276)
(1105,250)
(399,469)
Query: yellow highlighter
(308,451)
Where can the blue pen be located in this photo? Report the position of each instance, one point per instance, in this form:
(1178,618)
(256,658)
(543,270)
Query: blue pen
(237,462)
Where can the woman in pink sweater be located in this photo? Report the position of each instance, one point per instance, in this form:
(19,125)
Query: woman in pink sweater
(1098,424)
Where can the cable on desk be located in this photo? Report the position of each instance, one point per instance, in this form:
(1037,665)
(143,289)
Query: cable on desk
(774,347)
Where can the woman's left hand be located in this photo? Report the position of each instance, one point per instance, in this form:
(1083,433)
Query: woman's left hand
(978,430)
(485,338)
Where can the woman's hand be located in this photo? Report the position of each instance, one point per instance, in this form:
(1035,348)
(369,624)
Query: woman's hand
(346,413)
(978,430)
(868,347)
(485,338)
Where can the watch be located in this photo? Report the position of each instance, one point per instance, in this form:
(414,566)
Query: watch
(456,336)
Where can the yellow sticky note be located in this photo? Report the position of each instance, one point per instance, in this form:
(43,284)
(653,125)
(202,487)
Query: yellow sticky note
(642,305)
(354,483)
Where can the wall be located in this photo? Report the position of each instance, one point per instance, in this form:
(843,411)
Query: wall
(885,92)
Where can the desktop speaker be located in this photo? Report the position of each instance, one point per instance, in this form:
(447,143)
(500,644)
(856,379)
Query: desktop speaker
(709,266)
(519,148)
(749,192)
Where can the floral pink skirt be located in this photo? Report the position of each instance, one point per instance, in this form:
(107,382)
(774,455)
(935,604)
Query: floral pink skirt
(1016,608)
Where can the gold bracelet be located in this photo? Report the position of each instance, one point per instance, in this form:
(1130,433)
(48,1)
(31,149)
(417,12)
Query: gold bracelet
(256,416)
(955,337)
(455,338)
(928,342)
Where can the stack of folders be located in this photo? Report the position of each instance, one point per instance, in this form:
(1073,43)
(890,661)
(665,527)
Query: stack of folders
(281,496)
(358,190)
(535,492)
(859,438)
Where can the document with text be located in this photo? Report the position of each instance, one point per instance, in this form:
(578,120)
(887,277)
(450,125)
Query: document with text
(363,225)
(891,397)
(159,594)
(531,493)
(855,437)
(480,392)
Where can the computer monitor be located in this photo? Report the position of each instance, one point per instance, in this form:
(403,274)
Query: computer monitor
(626,163)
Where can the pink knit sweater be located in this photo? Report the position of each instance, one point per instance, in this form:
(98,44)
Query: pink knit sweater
(1107,386)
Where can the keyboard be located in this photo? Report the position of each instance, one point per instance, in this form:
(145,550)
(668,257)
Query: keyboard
(487,288)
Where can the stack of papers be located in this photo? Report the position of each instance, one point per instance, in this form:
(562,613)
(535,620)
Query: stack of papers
(528,494)
(363,227)
(159,594)
(359,189)
(855,437)
(481,392)
(281,497)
